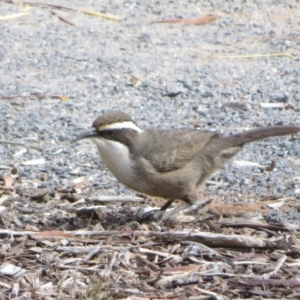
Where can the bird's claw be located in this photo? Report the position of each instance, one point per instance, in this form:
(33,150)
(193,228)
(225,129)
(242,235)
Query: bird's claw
(152,216)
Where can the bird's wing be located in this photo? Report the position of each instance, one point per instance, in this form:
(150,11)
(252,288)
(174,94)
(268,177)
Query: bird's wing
(168,150)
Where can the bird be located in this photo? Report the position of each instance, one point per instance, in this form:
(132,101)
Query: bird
(168,163)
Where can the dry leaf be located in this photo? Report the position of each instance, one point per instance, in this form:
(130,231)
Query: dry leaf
(127,233)
(297,162)
(63,97)
(8,182)
(137,81)
(186,219)
(38,193)
(188,268)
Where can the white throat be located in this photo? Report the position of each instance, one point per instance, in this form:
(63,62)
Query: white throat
(116,158)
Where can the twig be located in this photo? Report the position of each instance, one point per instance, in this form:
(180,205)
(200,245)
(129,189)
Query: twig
(278,265)
(101,15)
(94,251)
(194,21)
(198,206)
(222,274)
(55,6)
(207,238)
(120,199)
(213,252)
(254,226)
(154,280)
(13,16)
(38,96)
(42,4)
(147,263)
(282,54)
(62,18)
(215,296)
(20,144)
(275,282)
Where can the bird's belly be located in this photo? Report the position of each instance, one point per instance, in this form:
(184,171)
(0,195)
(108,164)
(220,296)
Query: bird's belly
(116,158)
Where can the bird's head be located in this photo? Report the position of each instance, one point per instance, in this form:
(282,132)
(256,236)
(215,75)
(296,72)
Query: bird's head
(111,125)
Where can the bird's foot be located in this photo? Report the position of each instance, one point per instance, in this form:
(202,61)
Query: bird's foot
(175,211)
(160,214)
(156,214)
(152,216)
(199,205)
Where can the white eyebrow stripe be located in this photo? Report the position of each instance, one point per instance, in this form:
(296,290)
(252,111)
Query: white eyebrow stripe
(121,125)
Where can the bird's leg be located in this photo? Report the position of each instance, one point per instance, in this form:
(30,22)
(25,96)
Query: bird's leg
(156,214)
(167,204)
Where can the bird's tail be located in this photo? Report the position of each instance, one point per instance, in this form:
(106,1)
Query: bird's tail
(240,139)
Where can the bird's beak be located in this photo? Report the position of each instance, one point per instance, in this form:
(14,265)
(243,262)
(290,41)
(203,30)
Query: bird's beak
(90,133)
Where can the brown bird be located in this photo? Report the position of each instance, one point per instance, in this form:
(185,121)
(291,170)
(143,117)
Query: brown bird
(168,163)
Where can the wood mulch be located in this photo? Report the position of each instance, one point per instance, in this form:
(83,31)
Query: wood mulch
(63,245)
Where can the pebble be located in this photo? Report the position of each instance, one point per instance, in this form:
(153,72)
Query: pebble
(92,64)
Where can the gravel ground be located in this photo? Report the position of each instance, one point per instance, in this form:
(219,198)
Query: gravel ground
(55,78)
(94,64)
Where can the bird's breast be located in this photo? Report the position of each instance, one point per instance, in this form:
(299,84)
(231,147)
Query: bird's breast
(117,159)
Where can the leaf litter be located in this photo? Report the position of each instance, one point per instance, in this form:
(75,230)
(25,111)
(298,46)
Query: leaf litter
(55,249)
